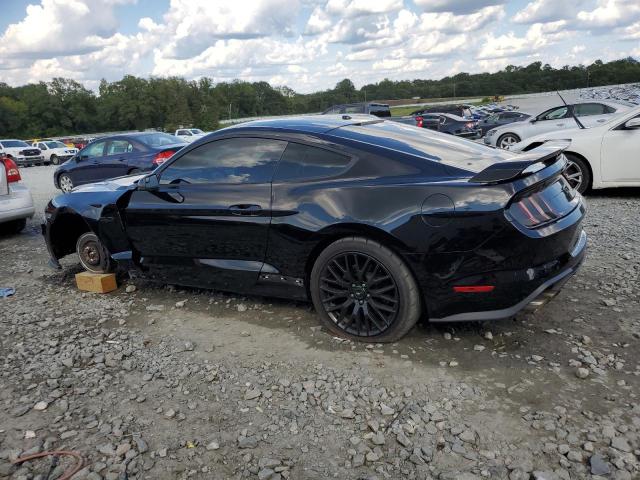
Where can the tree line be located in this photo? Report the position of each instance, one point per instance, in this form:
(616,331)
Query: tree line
(65,107)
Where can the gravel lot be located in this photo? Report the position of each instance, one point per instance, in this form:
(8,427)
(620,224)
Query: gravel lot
(160,382)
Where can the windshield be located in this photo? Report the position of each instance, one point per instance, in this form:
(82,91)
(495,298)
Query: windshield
(55,145)
(196,131)
(159,139)
(14,143)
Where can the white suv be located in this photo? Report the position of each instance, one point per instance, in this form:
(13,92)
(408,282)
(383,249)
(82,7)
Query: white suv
(21,152)
(557,118)
(55,152)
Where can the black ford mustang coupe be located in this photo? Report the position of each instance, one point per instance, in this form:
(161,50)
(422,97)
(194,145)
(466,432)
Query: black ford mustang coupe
(378,223)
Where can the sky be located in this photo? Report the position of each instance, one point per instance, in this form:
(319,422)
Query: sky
(308,45)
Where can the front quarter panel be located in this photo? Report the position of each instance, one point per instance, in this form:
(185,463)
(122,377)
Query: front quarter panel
(94,211)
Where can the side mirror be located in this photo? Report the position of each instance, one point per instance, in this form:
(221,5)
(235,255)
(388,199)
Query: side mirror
(633,123)
(533,119)
(148,183)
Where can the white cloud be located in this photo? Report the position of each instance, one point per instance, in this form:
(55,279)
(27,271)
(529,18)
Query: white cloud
(540,11)
(459,7)
(61,27)
(610,14)
(449,22)
(357,8)
(538,36)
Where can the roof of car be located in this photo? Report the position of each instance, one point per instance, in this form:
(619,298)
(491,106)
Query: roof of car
(308,123)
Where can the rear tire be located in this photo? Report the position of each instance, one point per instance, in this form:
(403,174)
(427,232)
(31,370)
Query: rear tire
(507,140)
(363,291)
(92,254)
(54,159)
(577,173)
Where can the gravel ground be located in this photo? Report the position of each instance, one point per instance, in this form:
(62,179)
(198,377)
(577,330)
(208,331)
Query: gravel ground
(160,382)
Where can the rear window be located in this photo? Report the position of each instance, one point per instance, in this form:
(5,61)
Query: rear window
(421,142)
(159,139)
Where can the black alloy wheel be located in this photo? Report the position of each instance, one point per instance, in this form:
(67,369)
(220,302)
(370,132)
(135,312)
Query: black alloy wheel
(364,291)
(359,294)
(93,256)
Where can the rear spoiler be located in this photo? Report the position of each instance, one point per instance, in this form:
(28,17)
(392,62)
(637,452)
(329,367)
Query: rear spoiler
(526,163)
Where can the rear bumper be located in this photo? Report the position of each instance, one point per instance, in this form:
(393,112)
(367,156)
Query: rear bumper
(18,204)
(531,287)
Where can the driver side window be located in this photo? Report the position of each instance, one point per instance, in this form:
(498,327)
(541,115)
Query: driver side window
(231,160)
(94,150)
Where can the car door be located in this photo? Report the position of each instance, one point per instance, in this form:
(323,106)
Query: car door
(555,119)
(619,154)
(86,169)
(115,161)
(207,221)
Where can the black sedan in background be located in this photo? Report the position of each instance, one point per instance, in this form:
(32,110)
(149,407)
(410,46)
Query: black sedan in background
(449,123)
(115,156)
(378,223)
(501,118)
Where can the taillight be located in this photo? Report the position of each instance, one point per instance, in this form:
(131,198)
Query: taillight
(545,206)
(162,157)
(13,174)
(419,121)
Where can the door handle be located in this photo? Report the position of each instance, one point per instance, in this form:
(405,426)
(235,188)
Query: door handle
(245,209)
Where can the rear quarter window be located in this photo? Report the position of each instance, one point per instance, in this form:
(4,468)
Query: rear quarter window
(303,162)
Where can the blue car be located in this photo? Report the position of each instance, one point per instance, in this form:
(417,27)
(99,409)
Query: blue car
(116,156)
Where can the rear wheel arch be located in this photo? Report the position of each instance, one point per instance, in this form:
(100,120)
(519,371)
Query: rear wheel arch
(337,232)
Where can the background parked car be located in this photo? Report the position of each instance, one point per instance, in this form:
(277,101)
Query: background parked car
(499,119)
(381,110)
(556,118)
(598,157)
(21,152)
(448,123)
(16,203)
(459,110)
(115,156)
(189,134)
(55,152)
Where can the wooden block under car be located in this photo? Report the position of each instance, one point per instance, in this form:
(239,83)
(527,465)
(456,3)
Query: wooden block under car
(96,282)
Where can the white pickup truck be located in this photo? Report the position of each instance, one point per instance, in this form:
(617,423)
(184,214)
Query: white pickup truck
(16,203)
(190,134)
(55,152)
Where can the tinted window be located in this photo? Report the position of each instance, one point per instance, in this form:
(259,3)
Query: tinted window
(233,160)
(586,109)
(304,162)
(353,109)
(379,111)
(94,150)
(55,145)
